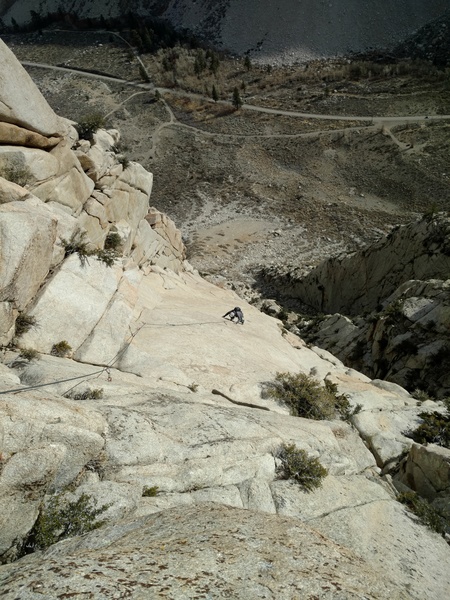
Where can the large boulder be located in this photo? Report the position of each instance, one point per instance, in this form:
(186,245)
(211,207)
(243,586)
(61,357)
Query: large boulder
(21,103)
(27,233)
(18,136)
(72,303)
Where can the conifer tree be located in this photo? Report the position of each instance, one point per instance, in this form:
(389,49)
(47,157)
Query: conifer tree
(237,101)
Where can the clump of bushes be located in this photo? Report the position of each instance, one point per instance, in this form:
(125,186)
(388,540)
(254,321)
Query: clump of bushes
(434,429)
(296,465)
(29,354)
(61,349)
(426,514)
(306,398)
(89,124)
(59,519)
(24,323)
(78,245)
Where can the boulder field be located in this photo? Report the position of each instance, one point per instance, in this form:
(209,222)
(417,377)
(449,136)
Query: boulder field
(121,383)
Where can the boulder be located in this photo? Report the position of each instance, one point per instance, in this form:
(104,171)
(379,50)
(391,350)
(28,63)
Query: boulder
(11,192)
(35,164)
(18,136)
(21,103)
(72,303)
(426,470)
(27,233)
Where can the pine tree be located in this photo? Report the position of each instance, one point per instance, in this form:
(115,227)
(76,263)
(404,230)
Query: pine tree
(237,101)
(247,63)
(214,94)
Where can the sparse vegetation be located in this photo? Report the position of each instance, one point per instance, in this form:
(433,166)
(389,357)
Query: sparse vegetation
(296,465)
(426,514)
(89,124)
(113,241)
(78,245)
(29,354)
(61,349)
(150,492)
(94,394)
(124,161)
(24,323)
(306,398)
(434,429)
(59,519)
(236,101)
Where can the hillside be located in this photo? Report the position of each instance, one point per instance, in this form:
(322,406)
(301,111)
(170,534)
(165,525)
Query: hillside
(284,31)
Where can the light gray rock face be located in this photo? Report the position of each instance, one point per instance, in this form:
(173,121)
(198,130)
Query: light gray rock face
(45,443)
(178,405)
(21,103)
(364,280)
(6,323)
(426,470)
(406,342)
(27,234)
(189,551)
(81,291)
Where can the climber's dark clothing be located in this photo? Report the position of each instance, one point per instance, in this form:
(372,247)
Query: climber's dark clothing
(235,313)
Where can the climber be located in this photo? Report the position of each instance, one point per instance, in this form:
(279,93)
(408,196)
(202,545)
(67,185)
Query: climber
(236,312)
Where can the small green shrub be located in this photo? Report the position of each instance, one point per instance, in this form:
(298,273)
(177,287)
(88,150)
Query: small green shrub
(59,519)
(89,124)
(113,241)
(150,492)
(341,402)
(106,256)
(304,396)
(29,354)
(295,464)
(426,514)
(24,323)
(420,395)
(434,429)
(407,347)
(61,349)
(78,245)
(94,394)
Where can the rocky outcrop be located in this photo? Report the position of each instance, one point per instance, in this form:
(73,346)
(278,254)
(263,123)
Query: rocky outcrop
(223,552)
(364,280)
(21,103)
(158,416)
(407,342)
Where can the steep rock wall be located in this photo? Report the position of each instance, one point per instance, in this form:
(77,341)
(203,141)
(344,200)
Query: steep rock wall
(362,281)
